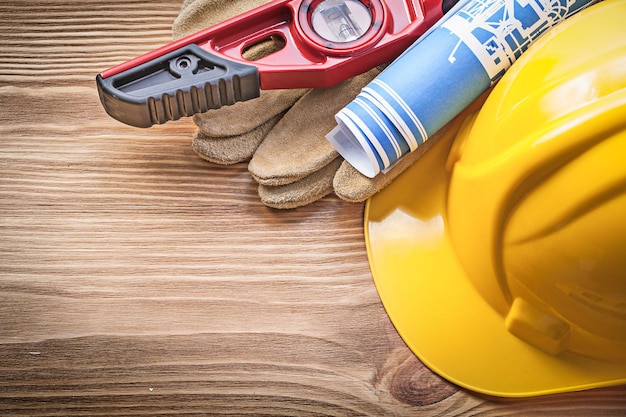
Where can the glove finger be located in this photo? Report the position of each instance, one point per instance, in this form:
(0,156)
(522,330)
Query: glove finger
(296,147)
(232,134)
(227,150)
(350,185)
(302,192)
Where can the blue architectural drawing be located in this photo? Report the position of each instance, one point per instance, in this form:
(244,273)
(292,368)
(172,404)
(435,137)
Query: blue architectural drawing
(439,76)
(498,32)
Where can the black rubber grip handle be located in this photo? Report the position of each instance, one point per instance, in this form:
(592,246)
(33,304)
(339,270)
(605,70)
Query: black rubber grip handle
(182,83)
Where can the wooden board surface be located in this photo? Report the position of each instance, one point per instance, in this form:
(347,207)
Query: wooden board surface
(136,279)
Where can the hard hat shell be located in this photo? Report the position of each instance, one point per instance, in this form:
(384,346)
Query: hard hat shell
(499,256)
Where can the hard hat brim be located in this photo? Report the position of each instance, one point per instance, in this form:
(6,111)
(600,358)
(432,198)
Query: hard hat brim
(434,307)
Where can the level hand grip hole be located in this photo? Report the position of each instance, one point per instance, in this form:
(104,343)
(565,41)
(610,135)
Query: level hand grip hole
(263,47)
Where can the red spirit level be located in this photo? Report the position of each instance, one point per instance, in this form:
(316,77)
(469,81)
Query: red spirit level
(322,42)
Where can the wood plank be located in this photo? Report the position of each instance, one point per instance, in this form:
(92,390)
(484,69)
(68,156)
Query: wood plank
(137,279)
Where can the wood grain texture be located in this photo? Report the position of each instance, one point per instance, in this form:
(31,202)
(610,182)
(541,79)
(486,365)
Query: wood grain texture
(137,279)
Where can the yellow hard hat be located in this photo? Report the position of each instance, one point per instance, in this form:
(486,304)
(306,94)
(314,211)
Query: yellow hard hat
(500,256)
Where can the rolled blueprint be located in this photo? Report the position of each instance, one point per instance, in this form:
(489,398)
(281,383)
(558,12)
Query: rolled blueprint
(438,76)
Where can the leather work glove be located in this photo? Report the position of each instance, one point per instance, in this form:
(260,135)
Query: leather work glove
(281,133)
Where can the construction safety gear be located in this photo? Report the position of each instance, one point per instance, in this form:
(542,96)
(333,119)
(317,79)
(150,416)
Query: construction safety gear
(500,256)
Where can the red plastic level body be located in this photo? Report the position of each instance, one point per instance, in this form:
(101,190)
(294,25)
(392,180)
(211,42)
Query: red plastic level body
(307,59)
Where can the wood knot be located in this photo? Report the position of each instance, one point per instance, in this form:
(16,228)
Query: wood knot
(414,384)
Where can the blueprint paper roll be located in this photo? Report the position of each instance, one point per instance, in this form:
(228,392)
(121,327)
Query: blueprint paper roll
(438,76)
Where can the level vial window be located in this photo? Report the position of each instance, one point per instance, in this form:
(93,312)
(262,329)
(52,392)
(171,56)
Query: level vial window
(341,20)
